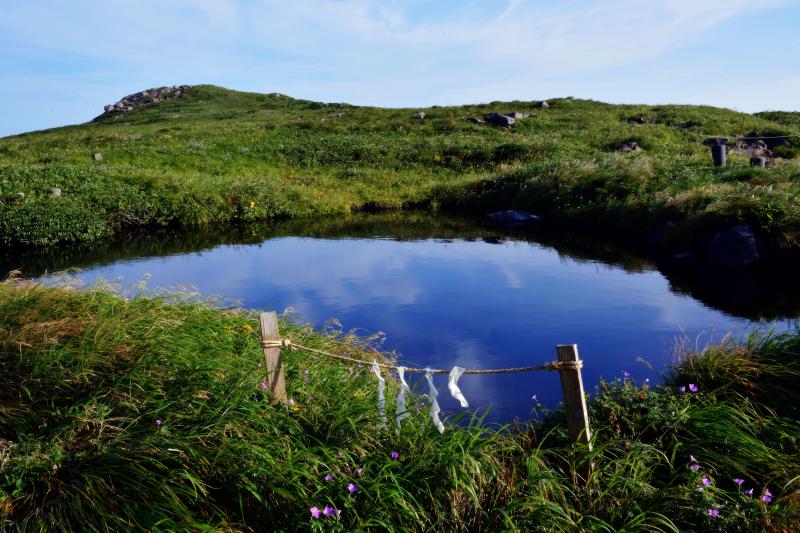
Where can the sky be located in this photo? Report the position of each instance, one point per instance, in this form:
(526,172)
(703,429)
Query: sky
(60,61)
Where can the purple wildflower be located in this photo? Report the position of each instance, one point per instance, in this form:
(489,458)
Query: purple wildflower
(158,422)
(394,455)
(314,512)
(706,481)
(692,458)
(682,389)
(360,471)
(695,466)
(713,512)
(534,398)
(749,492)
(329,510)
(738,481)
(305,371)
(767,497)
(307,380)
(352,488)
(264,385)
(626,374)
(692,387)
(329,477)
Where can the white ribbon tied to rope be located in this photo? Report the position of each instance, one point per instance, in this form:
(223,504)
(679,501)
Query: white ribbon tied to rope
(401,411)
(381,386)
(452,384)
(433,393)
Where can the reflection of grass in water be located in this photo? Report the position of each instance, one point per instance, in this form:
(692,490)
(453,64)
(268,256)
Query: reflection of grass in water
(85,376)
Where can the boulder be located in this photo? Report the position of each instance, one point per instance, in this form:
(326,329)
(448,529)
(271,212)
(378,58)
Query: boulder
(421,115)
(108,108)
(737,247)
(517,115)
(98,156)
(55,192)
(543,104)
(512,218)
(496,119)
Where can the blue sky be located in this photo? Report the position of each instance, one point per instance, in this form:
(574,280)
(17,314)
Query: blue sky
(60,62)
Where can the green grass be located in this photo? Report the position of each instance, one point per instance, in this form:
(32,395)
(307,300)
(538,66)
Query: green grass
(218,155)
(85,374)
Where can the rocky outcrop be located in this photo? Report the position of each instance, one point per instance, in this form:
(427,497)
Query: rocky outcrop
(630,146)
(496,119)
(143,98)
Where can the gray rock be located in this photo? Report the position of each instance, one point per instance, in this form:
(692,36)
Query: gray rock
(98,156)
(737,247)
(55,192)
(512,218)
(631,146)
(421,115)
(517,115)
(543,104)
(476,120)
(108,108)
(496,119)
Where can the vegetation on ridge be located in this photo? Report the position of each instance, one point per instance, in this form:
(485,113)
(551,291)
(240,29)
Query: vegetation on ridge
(143,414)
(218,155)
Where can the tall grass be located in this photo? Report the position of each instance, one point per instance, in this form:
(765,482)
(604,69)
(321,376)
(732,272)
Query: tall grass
(146,413)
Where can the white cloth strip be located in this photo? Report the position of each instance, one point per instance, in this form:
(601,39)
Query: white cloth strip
(452,384)
(401,411)
(433,393)
(381,386)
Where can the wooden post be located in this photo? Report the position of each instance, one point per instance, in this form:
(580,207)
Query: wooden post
(574,398)
(276,383)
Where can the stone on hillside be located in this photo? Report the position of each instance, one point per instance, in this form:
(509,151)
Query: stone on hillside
(517,115)
(631,146)
(543,104)
(497,119)
(421,115)
(512,218)
(108,108)
(737,247)
(55,192)
(98,156)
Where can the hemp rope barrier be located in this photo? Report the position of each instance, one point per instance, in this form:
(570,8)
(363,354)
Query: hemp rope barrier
(551,366)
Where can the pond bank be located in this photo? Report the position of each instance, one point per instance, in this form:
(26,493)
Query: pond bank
(145,413)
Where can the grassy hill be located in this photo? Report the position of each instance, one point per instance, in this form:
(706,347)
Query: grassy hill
(218,155)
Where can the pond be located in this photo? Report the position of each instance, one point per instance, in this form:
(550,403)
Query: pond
(447,291)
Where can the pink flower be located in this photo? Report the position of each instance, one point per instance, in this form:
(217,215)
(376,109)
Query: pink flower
(682,389)
(692,458)
(158,422)
(767,497)
(352,488)
(706,481)
(738,481)
(314,512)
(749,492)
(360,471)
(692,387)
(394,455)
(695,466)
(264,385)
(713,512)
(329,477)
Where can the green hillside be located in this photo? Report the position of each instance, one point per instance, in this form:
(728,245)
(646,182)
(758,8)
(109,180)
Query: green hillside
(218,155)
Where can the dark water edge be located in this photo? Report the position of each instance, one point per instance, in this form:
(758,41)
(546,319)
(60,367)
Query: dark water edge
(764,292)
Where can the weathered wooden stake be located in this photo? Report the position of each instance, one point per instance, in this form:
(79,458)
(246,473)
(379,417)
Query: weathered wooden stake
(574,398)
(276,383)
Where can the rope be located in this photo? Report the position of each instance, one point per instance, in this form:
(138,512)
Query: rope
(551,366)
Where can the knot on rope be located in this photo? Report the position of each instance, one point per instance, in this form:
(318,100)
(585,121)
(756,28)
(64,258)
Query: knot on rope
(277,343)
(554,366)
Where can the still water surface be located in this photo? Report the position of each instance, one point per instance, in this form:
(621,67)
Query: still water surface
(446,293)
